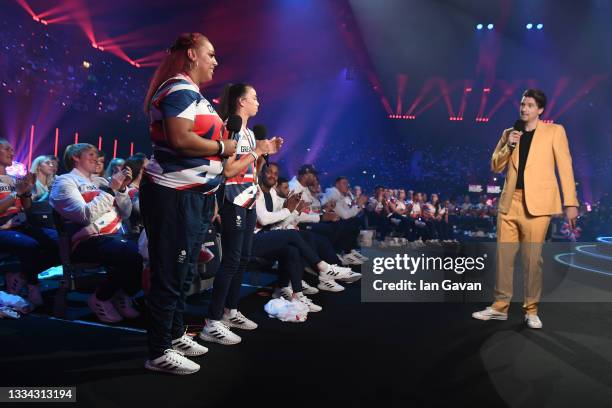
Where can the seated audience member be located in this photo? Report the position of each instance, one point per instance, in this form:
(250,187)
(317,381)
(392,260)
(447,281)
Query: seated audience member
(44,168)
(345,206)
(100,165)
(351,213)
(357,191)
(400,215)
(136,164)
(320,243)
(276,220)
(416,213)
(376,213)
(35,247)
(466,207)
(92,215)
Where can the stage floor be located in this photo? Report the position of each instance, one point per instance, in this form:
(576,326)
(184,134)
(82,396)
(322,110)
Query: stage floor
(350,354)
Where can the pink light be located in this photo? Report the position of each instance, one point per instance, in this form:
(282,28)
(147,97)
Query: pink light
(76,137)
(99,142)
(115,149)
(31,146)
(58,19)
(27,8)
(131,148)
(56,141)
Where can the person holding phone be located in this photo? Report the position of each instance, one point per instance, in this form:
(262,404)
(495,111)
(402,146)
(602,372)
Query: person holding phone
(35,247)
(92,214)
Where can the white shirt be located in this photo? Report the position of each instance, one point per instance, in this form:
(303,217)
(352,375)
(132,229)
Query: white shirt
(344,204)
(280,217)
(295,187)
(78,199)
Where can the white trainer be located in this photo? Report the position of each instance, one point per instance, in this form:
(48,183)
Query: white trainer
(217,332)
(350,259)
(330,285)
(189,347)
(285,293)
(300,297)
(104,309)
(353,277)
(533,321)
(172,362)
(233,318)
(309,290)
(124,305)
(490,314)
(335,272)
(359,256)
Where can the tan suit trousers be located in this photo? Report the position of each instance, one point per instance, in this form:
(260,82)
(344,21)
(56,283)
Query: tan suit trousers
(519,230)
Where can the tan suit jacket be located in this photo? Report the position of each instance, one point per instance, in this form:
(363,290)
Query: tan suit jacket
(548,147)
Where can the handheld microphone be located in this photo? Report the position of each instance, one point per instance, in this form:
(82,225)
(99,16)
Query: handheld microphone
(260,134)
(233,126)
(519,126)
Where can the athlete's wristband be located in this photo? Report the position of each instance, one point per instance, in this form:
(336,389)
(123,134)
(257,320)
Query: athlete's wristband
(221,148)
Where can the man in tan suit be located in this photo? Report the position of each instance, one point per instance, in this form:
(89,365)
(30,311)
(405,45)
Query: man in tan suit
(529,198)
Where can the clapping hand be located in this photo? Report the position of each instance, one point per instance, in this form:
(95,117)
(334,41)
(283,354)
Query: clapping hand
(25,184)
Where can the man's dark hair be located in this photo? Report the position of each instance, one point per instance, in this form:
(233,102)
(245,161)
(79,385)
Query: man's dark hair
(538,95)
(340,179)
(281,180)
(264,169)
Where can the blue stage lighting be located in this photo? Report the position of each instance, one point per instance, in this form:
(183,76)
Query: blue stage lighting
(540,26)
(529,26)
(479,26)
(490,26)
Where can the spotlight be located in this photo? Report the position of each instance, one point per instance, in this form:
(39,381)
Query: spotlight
(44,22)
(86,64)
(529,26)
(35,18)
(93,44)
(479,26)
(490,26)
(540,26)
